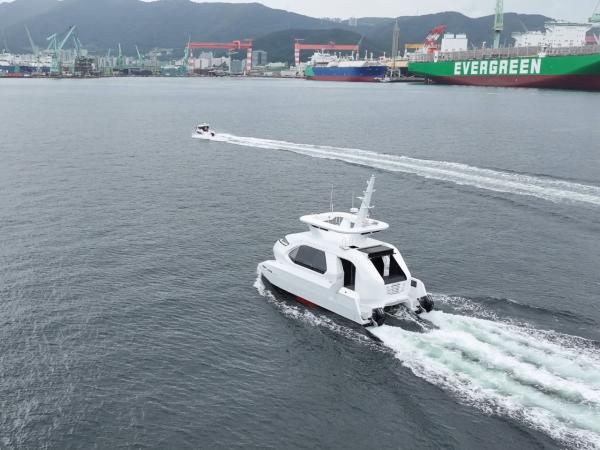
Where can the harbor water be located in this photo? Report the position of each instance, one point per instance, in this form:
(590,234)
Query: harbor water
(130,310)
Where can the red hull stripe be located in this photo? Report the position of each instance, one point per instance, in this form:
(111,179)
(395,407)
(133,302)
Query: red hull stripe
(304,301)
(580,82)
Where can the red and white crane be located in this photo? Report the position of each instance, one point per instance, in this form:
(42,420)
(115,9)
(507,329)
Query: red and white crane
(229,46)
(430,45)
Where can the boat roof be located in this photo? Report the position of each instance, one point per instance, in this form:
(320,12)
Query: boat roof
(203,124)
(356,222)
(345,223)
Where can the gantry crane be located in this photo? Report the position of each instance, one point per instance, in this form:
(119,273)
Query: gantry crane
(234,45)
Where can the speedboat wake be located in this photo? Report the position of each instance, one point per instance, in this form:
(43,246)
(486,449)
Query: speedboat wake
(550,189)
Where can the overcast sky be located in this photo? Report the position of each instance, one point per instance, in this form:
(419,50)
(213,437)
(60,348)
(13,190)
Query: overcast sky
(575,10)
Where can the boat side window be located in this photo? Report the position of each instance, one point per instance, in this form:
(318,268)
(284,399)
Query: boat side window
(388,268)
(309,257)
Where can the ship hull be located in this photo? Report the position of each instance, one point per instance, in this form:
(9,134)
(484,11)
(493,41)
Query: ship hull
(579,72)
(573,82)
(353,74)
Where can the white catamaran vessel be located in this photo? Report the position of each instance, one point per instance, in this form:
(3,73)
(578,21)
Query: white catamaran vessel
(338,266)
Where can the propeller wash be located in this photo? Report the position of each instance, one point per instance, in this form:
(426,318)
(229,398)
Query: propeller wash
(546,380)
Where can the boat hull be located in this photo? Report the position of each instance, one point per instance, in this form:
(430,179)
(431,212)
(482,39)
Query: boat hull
(578,72)
(312,290)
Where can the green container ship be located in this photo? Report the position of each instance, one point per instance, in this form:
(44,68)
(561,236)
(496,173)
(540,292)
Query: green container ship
(560,68)
(564,56)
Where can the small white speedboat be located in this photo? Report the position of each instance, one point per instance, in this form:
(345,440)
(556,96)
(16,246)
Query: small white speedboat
(203,131)
(338,266)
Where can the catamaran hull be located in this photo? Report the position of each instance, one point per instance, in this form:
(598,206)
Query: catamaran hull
(313,292)
(343,302)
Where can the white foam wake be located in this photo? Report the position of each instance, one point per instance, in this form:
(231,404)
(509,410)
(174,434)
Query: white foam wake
(548,189)
(508,370)
(547,380)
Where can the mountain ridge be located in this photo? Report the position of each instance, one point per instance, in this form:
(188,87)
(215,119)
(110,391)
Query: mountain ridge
(102,24)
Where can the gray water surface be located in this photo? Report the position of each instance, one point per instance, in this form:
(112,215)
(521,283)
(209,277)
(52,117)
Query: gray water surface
(129,309)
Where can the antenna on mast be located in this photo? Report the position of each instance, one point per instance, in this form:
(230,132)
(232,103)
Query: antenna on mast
(363,212)
(331,200)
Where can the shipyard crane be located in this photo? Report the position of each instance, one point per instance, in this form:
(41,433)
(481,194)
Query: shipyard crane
(595,19)
(498,22)
(51,42)
(430,44)
(140,59)
(120,61)
(34,48)
(184,68)
(56,50)
(78,47)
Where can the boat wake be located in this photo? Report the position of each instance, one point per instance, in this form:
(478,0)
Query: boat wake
(547,380)
(554,190)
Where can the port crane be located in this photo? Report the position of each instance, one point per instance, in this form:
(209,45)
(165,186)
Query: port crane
(34,48)
(229,46)
(56,49)
(298,47)
(498,22)
(120,59)
(140,59)
(595,19)
(185,62)
(430,44)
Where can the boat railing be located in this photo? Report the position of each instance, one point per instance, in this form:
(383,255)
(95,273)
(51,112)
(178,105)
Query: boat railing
(506,52)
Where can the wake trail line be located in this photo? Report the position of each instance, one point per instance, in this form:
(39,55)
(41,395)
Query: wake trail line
(554,190)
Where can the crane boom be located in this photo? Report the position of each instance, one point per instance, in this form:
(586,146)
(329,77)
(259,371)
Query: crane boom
(498,22)
(66,38)
(34,47)
(595,19)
